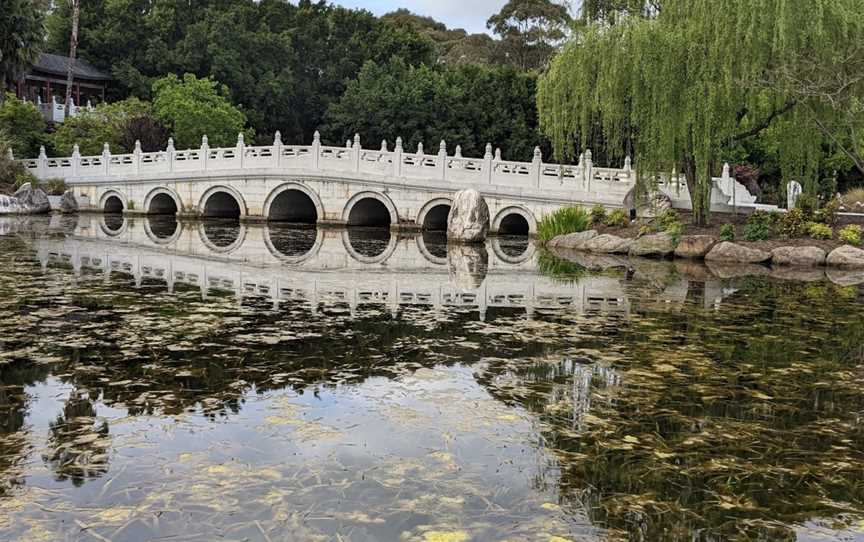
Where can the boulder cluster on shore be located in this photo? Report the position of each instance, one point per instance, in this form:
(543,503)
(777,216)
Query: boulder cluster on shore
(709,248)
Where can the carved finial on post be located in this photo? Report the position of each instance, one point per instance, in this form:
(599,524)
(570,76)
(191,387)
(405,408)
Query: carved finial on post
(442,148)
(137,146)
(76,151)
(316,138)
(587,155)
(241,139)
(628,166)
(420,148)
(357,140)
(726,174)
(277,138)
(383,145)
(204,141)
(488,155)
(106,149)
(170,147)
(498,154)
(538,154)
(89,105)
(458,153)
(399,144)
(10,154)
(347,143)
(42,151)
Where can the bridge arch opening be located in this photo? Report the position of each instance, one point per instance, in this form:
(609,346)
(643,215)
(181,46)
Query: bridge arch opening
(293,206)
(221,205)
(436,218)
(514,224)
(369,212)
(162,204)
(113,205)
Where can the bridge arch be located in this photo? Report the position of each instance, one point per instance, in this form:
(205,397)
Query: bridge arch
(293,202)
(433,215)
(515,219)
(112,201)
(222,201)
(162,201)
(370,208)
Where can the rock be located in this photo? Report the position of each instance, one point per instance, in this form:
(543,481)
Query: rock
(650,206)
(695,246)
(730,252)
(657,245)
(26,201)
(845,277)
(69,203)
(594,262)
(798,256)
(574,241)
(732,270)
(847,257)
(608,244)
(798,274)
(694,270)
(469,218)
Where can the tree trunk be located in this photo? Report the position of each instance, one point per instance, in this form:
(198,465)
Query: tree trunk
(73,46)
(697,196)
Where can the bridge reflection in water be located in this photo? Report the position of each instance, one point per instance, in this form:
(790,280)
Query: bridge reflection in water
(328,266)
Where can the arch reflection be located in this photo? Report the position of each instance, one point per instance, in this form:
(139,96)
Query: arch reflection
(293,243)
(433,246)
(162,229)
(113,224)
(222,235)
(369,245)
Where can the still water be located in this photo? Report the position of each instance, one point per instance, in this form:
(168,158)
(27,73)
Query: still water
(218,381)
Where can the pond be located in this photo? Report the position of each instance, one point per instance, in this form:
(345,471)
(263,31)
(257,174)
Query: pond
(162,380)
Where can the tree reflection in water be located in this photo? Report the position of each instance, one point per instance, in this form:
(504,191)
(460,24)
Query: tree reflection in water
(77,444)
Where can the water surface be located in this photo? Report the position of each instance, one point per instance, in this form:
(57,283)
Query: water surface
(219,381)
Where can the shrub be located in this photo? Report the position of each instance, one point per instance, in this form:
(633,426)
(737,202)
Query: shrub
(827,214)
(645,229)
(727,232)
(92,129)
(152,134)
(598,214)
(668,218)
(617,218)
(793,223)
(54,187)
(807,203)
(820,231)
(23,125)
(561,222)
(675,231)
(12,174)
(759,226)
(851,234)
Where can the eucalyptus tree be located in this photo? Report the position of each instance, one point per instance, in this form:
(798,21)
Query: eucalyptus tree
(530,30)
(686,82)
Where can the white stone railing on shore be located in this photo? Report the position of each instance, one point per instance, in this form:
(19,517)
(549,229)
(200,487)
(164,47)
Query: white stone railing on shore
(600,184)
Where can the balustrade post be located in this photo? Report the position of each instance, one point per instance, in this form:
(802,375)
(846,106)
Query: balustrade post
(356,152)
(277,148)
(495,160)
(726,179)
(241,148)
(169,152)
(397,158)
(316,151)
(106,159)
(536,165)
(487,163)
(42,163)
(205,152)
(76,159)
(136,156)
(442,160)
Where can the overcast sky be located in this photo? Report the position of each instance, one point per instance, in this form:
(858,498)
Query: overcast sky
(468,14)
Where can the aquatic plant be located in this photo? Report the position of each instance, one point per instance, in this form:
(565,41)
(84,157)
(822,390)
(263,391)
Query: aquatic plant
(563,221)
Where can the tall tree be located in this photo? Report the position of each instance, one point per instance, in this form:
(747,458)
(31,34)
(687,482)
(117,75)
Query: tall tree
(21,35)
(688,83)
(73,46)
(530,30)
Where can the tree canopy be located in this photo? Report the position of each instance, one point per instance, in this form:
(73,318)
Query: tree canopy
(530,30)
(21,36)
(686,84)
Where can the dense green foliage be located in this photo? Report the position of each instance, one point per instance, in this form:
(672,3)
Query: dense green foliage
(727,232)
(617,218)
(561,222)
(465,105)
(820,231)
(21,35)
(23,125)
(530,30)
(760,226)
(91,130)
(851,234)
(677,89)
(194,108)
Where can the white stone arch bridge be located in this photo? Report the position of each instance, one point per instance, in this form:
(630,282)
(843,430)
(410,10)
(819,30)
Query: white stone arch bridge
(347,185)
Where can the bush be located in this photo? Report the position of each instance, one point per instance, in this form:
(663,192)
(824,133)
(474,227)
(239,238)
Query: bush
(793,223)
(759,226)
(668,219)
(561,222)
(807,203)
(820,231)
(675,231)
(54,187)
(827,214)
(12,174)
(23,125)
(152,134)
(598,214)
(92,129)
(727,232)
(851,234)
(617,219)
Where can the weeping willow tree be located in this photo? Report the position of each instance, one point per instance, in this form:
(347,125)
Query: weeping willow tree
(682,84)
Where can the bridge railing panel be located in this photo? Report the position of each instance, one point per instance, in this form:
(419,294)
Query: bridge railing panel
(376,162)
(421,166)
(467,170)
(336,158)
(226,158)
(189,160)
(297,156)
(260,157)
(153,162)
(512,173)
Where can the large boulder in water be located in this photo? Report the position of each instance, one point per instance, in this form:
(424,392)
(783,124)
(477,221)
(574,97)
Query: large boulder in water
(69,203)
(608,244)
(28,200)
(729,252)
(846,256)
(573,241)
(468,265)
(658,245)
(469,218)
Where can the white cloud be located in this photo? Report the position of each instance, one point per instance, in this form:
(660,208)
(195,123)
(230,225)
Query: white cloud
(468,14)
